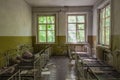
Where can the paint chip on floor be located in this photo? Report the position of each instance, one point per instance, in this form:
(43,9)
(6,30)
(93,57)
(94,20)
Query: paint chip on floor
(45,73)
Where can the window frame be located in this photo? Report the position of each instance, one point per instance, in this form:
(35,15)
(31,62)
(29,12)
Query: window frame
(37,38)
(99,27)
(85,27)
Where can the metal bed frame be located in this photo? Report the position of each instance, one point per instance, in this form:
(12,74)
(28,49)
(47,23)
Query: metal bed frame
(34,72)
(117,59)
(38,65)
(10,73)
(100,74)
(84,62)
(15,76)
(31,74)
(104,72)
(82,68)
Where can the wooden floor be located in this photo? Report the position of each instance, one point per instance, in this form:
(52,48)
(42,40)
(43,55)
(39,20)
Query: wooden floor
(59,68)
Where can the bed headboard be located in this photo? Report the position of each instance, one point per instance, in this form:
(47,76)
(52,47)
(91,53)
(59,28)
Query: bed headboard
(117,59)
(108,57)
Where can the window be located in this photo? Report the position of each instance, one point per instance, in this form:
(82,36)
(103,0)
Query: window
(76,28)
(104,29)
(46,29)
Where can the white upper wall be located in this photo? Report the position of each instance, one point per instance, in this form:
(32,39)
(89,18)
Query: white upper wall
(15,18)
(95,17)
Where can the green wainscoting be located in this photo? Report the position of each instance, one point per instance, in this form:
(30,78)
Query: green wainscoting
(115,42)
(11,42)
(92,41)
(58,48)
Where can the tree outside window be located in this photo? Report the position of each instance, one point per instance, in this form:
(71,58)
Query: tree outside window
(46,29)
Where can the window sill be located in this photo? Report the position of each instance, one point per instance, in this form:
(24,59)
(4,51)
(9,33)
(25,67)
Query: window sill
(105,46)
(82,43)
(46,43)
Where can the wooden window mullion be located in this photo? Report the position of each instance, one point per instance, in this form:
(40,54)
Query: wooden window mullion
(77,30)
(46,30)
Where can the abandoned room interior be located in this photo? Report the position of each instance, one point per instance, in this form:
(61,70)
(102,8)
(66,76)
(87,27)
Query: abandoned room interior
(59,39)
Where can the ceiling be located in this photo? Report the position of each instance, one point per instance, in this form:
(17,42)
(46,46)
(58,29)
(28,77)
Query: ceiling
(37,3)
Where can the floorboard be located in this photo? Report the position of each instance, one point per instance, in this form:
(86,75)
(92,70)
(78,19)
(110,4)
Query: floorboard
(59,68)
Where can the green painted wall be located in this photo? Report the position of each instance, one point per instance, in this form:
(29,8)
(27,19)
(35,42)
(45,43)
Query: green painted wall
(115,40)
(60,47)
(11,42)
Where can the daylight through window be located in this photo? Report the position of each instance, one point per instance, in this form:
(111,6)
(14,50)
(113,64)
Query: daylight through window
(104,31)
(46,29)
(76,28)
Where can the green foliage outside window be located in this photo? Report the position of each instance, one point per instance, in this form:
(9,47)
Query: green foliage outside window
(46,29)
(81,26)
(42,36)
